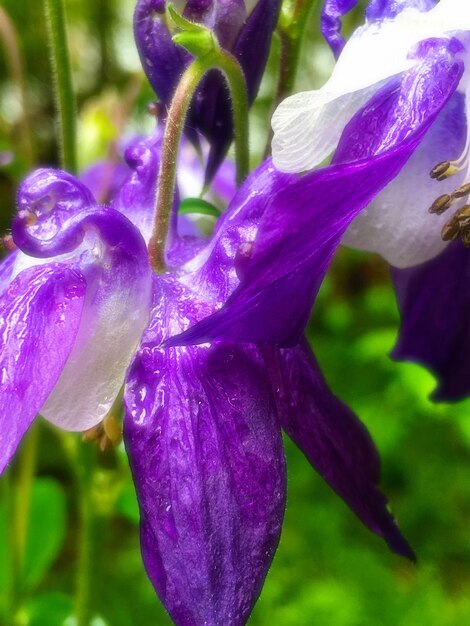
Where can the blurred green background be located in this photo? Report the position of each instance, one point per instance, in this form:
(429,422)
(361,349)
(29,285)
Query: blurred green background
(329,571)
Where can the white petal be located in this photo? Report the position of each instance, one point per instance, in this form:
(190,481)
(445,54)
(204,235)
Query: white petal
(307,126)
(397,224)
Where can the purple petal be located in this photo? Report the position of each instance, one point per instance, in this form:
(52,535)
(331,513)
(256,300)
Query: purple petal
(162,61)
(39,318)
(104,179)
(204,444)
(224,17)
(435,320)
(7,268)
(331,14)
(305,221)
(389,9)
(335,442)
(402,105)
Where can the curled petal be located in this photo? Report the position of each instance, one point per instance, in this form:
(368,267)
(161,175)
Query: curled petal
(435,312)
(205,449)
(112,256)
(48,197)
(40,315)
(335,442)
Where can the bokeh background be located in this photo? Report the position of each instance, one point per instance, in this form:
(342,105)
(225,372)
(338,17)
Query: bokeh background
(328,571)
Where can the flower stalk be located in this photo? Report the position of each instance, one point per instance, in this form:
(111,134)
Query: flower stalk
(64,93)
(227,64)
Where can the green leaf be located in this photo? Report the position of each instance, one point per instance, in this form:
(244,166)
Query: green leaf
(46,529)
(199,206)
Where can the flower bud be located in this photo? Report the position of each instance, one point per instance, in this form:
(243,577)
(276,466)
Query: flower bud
(244,33)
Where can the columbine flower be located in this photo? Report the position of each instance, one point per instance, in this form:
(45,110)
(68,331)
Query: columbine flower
(202,423)
(413,219)
(243,28)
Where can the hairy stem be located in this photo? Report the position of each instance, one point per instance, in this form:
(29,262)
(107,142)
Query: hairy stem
(187,86)
(64,93)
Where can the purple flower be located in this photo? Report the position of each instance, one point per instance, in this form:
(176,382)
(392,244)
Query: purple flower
(242,29)
(202,423)
(412,220)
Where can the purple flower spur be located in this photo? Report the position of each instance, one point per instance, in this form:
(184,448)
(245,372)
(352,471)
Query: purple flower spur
(242,28)
(82,313)
(420,222)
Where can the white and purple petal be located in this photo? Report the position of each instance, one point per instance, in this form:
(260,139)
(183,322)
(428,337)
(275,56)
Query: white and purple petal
(308,125)
(40,314)
(397,223)
(111,255)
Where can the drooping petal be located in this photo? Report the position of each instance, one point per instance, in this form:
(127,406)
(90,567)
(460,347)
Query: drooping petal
(205,449)
(434,306)
(40,315)
(332,12)
(111,254)
(308,125)
(335,442)
(397,223)
(300,229)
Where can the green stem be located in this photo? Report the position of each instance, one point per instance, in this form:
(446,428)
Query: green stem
(9,37)
(187,86)
(64,93)
(85,468)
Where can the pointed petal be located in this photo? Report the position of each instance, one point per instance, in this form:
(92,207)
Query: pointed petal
(435,312)
(335,442)
(39,318)
(331,14)
(300,229)
(307,126)
(205,449)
